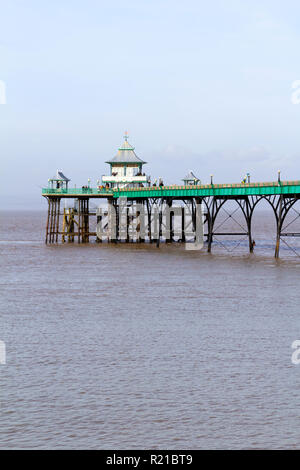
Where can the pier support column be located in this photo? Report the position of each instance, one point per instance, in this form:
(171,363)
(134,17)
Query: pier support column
(117,219)
(64,225)
(52,219)
(169,221)
(183,225)
(248,216)
(279,225)
(128,224)
(149,220)
(138,224)
(71,226)
(198,220)
(85,221)
(158,223)
(57,220)
(159,228)
(112,222)
(194,217)
(48,220)
(79,220)
(99,224)
(122,220)
(210,225)
(143,223)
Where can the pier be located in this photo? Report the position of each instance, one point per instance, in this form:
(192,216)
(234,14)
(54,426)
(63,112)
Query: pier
(140,211)
(73,223)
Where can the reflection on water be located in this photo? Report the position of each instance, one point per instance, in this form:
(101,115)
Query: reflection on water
(138,347)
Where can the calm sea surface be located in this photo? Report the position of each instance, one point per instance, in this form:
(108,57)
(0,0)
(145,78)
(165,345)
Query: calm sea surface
(133,347)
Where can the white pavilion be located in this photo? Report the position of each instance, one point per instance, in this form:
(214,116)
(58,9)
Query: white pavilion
(126,168)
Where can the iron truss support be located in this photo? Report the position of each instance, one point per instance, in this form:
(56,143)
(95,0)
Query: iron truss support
(281,205)
(215,204)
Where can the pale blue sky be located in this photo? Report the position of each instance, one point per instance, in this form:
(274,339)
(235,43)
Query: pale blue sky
(199,85)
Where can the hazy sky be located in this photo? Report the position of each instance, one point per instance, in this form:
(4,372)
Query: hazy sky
(198,85)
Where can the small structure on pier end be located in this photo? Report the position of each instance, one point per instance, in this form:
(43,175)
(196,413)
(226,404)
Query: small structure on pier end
(190,178)
(126,168)
(59,181)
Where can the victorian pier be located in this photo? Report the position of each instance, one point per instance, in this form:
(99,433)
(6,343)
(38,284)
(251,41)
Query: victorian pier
(140,210)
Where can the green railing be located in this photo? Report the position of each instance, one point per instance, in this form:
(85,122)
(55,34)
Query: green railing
(235,190)
(77,191)
(247,189)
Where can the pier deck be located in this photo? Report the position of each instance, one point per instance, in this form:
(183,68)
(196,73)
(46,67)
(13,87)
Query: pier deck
(246,189)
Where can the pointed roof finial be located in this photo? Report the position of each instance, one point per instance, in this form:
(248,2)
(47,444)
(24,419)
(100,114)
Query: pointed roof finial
(126,154)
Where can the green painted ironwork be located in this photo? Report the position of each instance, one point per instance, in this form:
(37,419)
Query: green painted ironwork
(235,190)
(77,192)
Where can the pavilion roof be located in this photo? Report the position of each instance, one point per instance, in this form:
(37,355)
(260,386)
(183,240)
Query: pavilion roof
(126,154)
(60,177)
(191,177)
